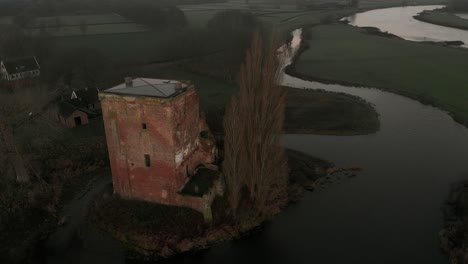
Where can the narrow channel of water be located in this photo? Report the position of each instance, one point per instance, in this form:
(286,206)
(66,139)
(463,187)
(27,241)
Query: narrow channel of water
(399,21)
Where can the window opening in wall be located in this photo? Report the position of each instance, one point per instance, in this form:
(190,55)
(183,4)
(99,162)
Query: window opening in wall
(147,160)
(78,121)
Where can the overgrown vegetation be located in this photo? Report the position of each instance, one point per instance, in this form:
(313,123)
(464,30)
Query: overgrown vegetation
(16,107)
(454,235)
(38,161)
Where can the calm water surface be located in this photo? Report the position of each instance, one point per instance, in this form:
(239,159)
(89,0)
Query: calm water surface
(390,213)
(399,21)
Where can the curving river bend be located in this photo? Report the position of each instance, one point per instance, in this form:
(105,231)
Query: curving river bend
(390,213)
(399,21)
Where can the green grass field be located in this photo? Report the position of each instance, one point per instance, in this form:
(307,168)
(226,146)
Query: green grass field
(142,47)
(71,25)
(102,29)
(127,43)
(199,18)
(119,47)
(430,72)
(76,20)
(443,18)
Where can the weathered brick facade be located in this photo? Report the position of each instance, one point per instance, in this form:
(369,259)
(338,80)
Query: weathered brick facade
(155,144)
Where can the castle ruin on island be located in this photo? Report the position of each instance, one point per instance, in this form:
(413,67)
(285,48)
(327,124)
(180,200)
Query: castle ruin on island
(160,147)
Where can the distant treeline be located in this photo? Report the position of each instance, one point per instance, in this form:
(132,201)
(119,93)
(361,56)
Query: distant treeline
(458,5)
(50,7)
(155,13)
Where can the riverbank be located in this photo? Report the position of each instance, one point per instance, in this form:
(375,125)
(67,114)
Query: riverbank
(443,17)
(153,231)
(454,235)
(431,74)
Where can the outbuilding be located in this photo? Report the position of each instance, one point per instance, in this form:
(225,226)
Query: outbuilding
(20,68)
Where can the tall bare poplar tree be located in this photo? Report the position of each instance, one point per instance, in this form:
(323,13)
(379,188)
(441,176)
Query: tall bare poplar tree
(253,125)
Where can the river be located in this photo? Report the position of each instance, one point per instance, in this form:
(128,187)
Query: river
(390,213)
(399,21)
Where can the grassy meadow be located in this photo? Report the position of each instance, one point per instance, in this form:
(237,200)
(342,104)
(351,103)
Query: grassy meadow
(80,25)
(124,41)
(432,73)
(443,18)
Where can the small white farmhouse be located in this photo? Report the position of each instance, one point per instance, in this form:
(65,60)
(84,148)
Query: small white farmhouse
(19,68)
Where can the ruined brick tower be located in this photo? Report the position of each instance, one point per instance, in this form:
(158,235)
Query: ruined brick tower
(158,141)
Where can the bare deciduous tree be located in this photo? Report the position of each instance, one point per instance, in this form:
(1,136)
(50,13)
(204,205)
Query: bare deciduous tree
(16,107)
(253,125)
(232,155)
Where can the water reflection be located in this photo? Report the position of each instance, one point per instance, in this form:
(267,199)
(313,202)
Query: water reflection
(399,21)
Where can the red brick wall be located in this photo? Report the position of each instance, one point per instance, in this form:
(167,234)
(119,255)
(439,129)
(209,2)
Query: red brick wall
(70,121)
(173,128)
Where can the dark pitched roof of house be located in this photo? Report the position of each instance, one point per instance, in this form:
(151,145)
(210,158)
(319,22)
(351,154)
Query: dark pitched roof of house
(149,87)
(19,65)
(85,97)
(65,109)
(200,183)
